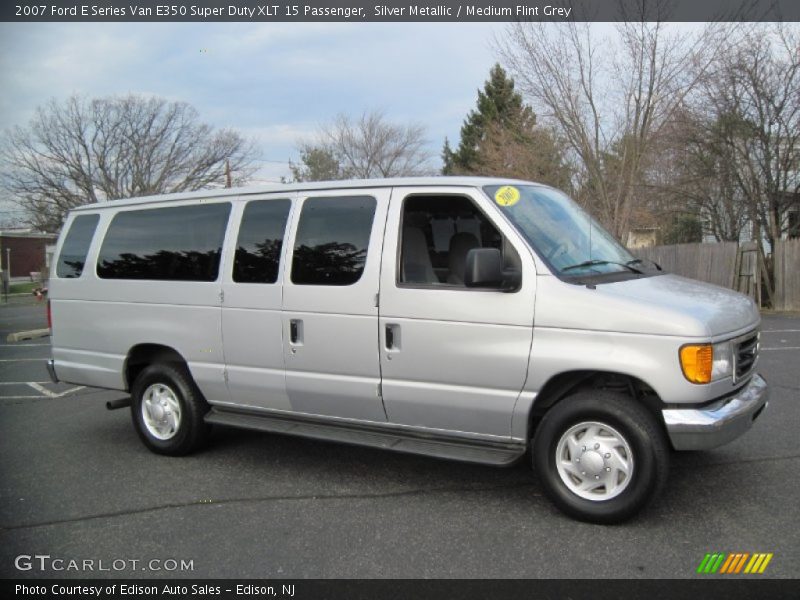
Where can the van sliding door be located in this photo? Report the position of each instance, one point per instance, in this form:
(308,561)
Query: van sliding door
(251,307)
(330,317)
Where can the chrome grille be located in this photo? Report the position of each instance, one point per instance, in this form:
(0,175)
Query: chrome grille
(746,353)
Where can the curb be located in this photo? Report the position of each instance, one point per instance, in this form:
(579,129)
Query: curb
(27,335)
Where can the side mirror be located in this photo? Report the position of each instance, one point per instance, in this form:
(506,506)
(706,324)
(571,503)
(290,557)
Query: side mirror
(485,270)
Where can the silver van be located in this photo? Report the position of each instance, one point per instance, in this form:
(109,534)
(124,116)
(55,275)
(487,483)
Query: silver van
(462,318)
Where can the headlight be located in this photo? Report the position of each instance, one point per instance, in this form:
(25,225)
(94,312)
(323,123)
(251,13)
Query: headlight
(723,361)
(703,363)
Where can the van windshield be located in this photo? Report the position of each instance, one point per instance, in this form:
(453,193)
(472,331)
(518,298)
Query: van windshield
(574,244)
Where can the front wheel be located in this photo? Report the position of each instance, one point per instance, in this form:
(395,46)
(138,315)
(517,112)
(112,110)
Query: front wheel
(168,410)
(601,456)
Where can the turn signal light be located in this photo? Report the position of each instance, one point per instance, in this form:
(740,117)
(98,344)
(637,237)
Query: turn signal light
(696,362)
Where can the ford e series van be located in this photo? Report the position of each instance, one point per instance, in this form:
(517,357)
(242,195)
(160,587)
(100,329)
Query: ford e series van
(482,320)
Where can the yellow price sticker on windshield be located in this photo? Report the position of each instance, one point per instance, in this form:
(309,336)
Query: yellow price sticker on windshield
(507,195)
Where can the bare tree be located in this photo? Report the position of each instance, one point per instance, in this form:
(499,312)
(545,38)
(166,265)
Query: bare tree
(364,148)
(752,100)
(756,91)
(81,151)
(608,99)
(521,152)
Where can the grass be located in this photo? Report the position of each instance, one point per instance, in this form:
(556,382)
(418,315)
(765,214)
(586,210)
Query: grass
(23,288)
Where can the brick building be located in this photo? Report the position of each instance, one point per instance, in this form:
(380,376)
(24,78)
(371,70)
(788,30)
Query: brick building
(27,251)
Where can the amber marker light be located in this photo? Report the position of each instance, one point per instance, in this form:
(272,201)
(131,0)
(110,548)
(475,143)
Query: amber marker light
(696,362)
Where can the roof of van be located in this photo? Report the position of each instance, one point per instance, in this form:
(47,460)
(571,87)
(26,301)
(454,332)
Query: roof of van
(310,186)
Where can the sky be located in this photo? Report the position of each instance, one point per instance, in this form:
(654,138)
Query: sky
(274,82)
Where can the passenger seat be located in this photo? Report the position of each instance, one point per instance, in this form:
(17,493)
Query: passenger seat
(417,266)
(460,245)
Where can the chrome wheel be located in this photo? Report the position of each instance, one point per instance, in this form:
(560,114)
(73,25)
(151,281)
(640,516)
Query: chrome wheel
(161,411)
(594,461)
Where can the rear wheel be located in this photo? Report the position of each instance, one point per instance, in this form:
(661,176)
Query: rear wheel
(168,410)
(601,456)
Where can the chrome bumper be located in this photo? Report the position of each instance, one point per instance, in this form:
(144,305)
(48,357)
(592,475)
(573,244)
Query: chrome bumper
(719,423)
(51,370)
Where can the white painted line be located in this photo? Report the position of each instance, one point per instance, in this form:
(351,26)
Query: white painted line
(22,397)
(780,331)
(22,359)
(42,390)
(21,345)
(50,394)
(21,382)
(784,348)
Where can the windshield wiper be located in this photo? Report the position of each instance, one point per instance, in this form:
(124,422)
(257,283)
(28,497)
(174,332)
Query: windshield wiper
(595,262)
(639,261)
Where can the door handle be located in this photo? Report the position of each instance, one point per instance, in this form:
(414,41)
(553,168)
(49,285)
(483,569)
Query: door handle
(393,337)
(389,337)
(295,331)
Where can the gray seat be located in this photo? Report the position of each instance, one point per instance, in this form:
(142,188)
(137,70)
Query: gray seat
(417,266)
(460,244)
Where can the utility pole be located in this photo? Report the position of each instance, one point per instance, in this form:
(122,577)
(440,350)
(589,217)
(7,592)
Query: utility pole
(228,182)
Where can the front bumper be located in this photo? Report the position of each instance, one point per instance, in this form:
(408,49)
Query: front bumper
(719,423)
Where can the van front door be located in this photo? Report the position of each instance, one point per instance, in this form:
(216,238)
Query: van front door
(330,317)
(453,358)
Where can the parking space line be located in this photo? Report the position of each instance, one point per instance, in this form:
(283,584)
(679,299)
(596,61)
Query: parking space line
(784,348)
(780,331)
(42,390)
(21,345)
(21,359)
(50,394)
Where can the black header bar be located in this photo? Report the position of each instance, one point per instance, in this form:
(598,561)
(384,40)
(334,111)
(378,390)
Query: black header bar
(397,11)
(711,588)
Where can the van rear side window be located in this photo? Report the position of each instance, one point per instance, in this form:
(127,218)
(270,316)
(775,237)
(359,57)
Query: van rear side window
(258,249)
(179,243)
(332,240)
(76,246)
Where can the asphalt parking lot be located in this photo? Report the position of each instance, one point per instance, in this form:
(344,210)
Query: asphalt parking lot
(76,484)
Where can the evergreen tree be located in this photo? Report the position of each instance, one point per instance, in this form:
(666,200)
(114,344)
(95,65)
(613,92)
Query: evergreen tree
(501,138)
(498,105)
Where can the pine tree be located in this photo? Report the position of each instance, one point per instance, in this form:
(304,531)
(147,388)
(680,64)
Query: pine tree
(501,138)
(498,104)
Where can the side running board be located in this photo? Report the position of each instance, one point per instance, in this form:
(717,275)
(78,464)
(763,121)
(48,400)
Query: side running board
(452,448)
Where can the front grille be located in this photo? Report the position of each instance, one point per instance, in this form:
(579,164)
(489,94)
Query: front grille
(746,353)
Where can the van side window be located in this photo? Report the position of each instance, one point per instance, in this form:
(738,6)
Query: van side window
(76,246)
(258,248)
(332,240)
(437,234)
(180,243)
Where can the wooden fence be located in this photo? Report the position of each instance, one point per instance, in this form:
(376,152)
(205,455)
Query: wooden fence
(714,263)
(787,274)
(735,266)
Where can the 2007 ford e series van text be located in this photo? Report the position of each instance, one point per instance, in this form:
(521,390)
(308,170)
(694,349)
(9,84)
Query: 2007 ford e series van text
(464,318)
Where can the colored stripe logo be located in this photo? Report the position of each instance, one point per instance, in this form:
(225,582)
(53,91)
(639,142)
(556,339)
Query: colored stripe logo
(734,563)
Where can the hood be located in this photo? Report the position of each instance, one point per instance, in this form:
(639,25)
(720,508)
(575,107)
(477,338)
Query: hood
(663,305)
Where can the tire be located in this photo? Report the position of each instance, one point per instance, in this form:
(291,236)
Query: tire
(624,452)
(168,410)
